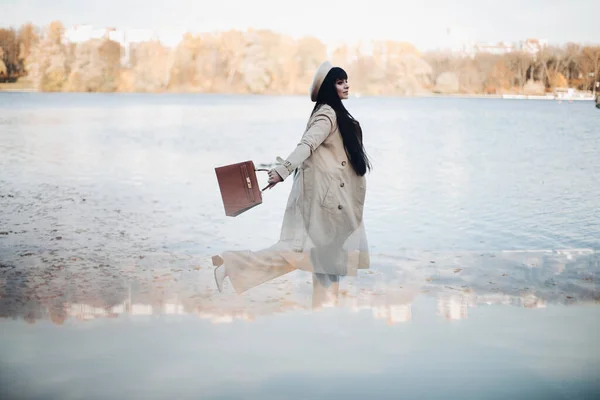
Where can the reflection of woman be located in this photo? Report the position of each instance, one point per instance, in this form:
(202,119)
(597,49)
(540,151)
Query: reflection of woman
(322,230)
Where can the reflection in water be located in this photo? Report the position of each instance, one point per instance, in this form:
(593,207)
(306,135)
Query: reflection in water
(459,281)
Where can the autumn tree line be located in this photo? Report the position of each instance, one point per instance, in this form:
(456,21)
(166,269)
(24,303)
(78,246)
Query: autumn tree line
(265,62)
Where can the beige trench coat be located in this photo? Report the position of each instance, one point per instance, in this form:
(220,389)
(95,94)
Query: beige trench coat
(322,228)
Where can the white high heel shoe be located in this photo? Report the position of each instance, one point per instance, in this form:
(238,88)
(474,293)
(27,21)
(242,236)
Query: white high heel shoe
(220,272)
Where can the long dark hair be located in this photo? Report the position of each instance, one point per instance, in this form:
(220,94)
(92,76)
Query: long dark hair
(349,127)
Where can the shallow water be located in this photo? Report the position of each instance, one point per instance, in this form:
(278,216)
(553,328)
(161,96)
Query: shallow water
(448,173)
(482,217)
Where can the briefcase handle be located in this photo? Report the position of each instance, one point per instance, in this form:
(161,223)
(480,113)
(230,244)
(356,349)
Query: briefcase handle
(265,170)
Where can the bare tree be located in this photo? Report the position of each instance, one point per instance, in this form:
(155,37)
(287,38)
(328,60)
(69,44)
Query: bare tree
(572,52)
(2,65)
(10,53)
(310,52)
(48,62)
(28,37)
(183,70)
(232,45)
(500,79)
(591,57)
(150,63)
(520,64)
(542,60)
(96,67)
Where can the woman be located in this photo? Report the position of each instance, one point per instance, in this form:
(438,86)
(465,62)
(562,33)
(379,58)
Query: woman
(323,229)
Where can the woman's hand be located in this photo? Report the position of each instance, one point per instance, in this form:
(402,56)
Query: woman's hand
(274,179)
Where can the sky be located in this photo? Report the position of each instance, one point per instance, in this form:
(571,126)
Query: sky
(428,24)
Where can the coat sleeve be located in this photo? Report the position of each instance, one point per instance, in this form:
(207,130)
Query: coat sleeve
(321,125)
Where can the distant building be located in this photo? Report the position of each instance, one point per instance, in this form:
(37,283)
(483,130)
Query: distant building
(533,46)
(82,33)
(530,46)
(499,48)
(125,37)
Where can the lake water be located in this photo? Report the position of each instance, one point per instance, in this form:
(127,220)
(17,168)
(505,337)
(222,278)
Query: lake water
(483,220)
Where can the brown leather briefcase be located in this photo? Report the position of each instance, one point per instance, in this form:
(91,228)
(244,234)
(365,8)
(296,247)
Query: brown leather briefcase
(239,187)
